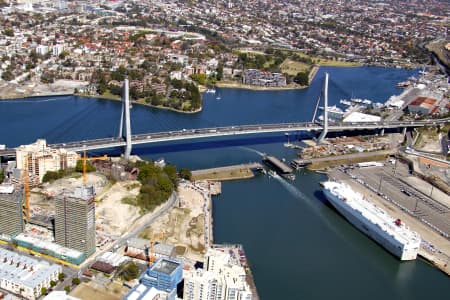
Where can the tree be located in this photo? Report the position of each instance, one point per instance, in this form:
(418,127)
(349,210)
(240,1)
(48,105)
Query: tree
(128,271)
(63,54)
(8,32)
(52,283)
(61,276)
(43,291)
(2,175)
(171,172)
(185,173)
(102,88)
(76,281)
(199,78)
(7,75)
(67,288)
(219,74)
(302,78)
(89,166)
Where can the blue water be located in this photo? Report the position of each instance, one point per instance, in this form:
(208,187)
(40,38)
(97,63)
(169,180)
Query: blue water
(61,119)
(298,246)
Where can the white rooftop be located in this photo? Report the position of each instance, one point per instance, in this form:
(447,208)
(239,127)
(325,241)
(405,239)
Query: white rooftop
(6,188)
(141,292)
(59,295)
(25,270)
(360,117)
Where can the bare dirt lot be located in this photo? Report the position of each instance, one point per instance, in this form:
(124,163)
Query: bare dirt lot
(183,226)
(113,216)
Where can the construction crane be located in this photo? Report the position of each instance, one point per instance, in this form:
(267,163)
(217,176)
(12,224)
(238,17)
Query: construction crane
(85,159)
(155,237)
(26,188)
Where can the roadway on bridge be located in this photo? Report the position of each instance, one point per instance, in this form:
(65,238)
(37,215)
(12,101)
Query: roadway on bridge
(184,134)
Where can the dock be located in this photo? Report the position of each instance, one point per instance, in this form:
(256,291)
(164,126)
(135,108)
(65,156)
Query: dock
(322,162)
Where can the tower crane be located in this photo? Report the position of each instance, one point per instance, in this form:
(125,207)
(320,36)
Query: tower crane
(85,159)
(155,237)
(26,188)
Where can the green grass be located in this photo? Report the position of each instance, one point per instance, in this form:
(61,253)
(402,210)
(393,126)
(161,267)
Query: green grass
(129,201)
(293,67)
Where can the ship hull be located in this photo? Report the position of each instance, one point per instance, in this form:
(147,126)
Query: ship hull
(370,229)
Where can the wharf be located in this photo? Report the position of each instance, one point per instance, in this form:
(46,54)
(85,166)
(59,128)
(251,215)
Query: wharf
(232,172)
(435,247)
(326,161)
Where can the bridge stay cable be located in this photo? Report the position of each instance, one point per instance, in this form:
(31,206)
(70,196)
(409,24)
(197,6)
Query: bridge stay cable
(60,130)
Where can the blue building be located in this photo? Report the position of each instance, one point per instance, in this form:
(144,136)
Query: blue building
(164,275)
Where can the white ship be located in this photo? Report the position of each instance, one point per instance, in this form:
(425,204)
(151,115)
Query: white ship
(390,233)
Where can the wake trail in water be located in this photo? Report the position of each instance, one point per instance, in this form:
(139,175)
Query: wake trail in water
(34,101)
(293,190)
(315,208)
(253,150)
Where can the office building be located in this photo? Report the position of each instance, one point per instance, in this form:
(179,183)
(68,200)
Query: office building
(26,276)
(11,213)
(75,220)
(165,274)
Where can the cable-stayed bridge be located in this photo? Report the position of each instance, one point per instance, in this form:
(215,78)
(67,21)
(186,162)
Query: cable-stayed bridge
(127,140)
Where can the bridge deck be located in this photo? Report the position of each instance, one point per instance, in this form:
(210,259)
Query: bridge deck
(155,137)
(281,166)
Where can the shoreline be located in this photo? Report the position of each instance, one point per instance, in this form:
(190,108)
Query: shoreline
(113,98)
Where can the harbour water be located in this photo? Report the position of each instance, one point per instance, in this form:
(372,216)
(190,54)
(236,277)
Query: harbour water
(297,245)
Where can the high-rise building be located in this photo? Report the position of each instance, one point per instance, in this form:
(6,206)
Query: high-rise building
(165,274)
(203,285)
(11,214)
(40,159)
(75,220)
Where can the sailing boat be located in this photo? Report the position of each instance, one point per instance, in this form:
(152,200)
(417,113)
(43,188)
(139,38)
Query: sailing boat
(218,95)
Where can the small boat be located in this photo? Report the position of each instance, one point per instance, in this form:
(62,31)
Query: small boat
(345,102)
(272,173)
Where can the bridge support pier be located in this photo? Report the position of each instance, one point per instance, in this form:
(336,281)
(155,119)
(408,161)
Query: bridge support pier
(325,112)
(382,132)
(404,132)
(126,114)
